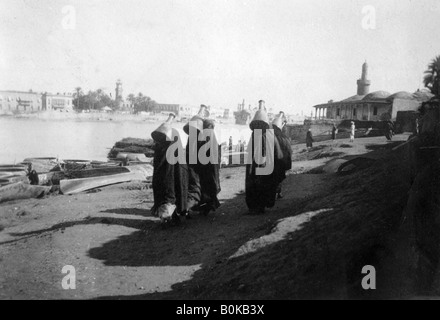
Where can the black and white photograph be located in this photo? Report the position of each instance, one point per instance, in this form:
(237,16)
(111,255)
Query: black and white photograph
(219,154)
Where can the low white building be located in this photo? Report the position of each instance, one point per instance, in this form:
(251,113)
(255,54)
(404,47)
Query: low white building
(57,102)
(12,101)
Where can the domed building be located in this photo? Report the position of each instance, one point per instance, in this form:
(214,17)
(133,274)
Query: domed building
(375,106)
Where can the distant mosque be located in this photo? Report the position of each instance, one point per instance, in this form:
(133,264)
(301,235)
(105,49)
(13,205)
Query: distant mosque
(375,106)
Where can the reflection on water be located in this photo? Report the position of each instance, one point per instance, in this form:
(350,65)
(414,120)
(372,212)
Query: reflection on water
(90,140)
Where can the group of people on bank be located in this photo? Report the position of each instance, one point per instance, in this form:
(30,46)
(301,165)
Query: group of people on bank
(183,187)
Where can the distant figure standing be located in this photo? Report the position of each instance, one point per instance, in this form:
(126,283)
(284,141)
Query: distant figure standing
(33,176)
(389,130)
(241,150)
(284,162)
(334,131)
(230,150)
(237,148)
(417,126)
(352,131)
(125,162)
(309,139)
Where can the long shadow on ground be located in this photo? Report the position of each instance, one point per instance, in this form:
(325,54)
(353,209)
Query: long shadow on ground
(322,260)
(199,240)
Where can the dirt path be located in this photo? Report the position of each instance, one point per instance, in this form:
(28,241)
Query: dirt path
(119,250)
(116,247)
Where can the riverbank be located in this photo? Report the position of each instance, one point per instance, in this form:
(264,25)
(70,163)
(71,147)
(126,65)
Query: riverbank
(96,116)
(91,116)
(333,224)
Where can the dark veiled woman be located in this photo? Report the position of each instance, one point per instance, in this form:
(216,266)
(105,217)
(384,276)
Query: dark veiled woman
(170,181)
(261,188)
(203,179)
(285,162)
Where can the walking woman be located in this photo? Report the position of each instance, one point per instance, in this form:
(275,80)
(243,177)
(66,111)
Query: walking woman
(170,181)
(352,131)
(203,179)
(334,132)
(285,162)
(261,188)
(309,139)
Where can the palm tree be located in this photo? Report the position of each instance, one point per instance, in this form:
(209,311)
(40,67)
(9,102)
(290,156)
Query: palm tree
(78,94)
(132,98)
(431,79)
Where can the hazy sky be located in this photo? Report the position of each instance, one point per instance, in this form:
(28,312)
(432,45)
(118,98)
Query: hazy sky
(292,53)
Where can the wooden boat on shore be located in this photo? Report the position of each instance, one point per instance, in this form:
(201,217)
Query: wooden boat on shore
(12,172)
(13,166)
(14,179)
(12,169)
(96,178)
(72,186)
(20,190)
(101,164)
(8,172)
(95,172)
(18,173)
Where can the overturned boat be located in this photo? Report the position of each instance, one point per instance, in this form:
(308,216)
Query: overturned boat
(91,179)
(21,190)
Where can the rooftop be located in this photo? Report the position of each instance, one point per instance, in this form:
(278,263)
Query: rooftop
(384,96)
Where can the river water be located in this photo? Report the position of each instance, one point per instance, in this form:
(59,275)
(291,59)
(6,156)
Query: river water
(85,140)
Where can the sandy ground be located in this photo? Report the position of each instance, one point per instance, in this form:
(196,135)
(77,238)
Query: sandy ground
(120,251)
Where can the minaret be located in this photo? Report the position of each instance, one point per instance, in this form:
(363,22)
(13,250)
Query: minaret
(118,90)
(363,83)
(118,93)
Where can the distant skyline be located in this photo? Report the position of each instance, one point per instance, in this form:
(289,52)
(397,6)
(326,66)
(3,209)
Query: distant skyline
(294,54)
